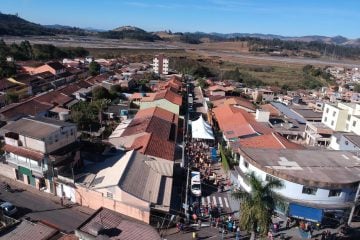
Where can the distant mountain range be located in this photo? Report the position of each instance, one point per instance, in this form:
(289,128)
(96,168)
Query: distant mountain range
(13,25)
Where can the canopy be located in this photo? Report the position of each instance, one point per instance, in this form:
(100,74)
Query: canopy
(201,129)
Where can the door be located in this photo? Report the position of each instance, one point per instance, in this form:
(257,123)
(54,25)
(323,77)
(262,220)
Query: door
(69,192)
(32,180)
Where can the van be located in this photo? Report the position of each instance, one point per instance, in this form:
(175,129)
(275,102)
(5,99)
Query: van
(195,184)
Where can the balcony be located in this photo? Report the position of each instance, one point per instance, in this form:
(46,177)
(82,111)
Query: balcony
(27,164)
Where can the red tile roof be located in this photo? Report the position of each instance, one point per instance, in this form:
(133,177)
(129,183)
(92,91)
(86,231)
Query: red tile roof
(170,96)
(235,122)
(152,145)
(157,112)
(54,97)
(28,108)
(155,125)
(38,156)
(268,141)
(270,108)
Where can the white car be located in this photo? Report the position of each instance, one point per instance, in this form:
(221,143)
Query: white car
(195,184)
(8,209)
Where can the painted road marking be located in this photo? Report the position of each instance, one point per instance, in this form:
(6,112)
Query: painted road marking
(214,198)
(220,202)
(226,202)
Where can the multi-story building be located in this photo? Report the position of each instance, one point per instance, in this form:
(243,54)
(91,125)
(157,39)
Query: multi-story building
(161,64)
(315,183)
(344,117)
(31,146)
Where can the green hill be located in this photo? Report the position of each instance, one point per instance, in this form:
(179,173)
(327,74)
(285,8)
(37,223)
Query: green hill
(128,32)
(15,26)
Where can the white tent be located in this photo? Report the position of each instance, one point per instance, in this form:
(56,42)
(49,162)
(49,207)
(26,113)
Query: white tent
(201,129)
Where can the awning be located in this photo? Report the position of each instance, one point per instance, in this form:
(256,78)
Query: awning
(306,213)
(201,129)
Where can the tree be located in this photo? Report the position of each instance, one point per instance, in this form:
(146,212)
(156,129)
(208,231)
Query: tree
(357,88)
(94,68)
(202,83)
(100,93)
(7,69)
(257,206)
(84,114)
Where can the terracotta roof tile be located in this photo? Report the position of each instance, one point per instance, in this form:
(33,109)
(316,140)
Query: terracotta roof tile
(38,156)
(54,97)
(28,108)
(157,112)
(153,145)
(269,108)
(268,141)
(235,122)
(153,124)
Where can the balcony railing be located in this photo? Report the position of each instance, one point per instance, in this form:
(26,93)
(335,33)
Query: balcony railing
(33,167)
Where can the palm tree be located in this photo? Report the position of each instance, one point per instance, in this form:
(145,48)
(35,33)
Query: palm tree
(256,206)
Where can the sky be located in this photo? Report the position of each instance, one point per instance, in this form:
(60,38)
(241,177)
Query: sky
(283,17)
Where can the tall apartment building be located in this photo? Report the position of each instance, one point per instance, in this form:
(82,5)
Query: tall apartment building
(36,147)
(161,64)
(343,117)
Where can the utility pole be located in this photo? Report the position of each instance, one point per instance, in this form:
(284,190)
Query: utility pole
(185,157)
(354,205)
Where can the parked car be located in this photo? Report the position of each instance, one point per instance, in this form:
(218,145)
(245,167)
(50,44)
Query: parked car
(8,208)
(195,184)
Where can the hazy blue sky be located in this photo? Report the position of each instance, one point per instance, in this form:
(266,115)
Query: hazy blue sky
(286,17)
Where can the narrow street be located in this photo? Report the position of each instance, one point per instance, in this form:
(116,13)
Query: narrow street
(44,207)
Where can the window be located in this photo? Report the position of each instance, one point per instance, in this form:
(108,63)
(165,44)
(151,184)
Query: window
(72,132)
(349,116)
(269,178)
(109,195)
(335,193)
(325,119)
(354,123)
(334,113)
(309,190)
(327,110)
(346,143)
(246,164)
(332,123)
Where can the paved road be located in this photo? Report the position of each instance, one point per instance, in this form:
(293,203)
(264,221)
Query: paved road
(44,207)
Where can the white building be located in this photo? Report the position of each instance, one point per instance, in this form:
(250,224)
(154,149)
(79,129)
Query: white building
(320,180)
(32,148)
(344,117)
(161,64)
(345,142)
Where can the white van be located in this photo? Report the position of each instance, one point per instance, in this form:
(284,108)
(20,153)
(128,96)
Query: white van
(195,184)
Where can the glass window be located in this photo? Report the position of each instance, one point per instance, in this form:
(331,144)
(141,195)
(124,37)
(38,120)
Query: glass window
(334,193)
(354,123)
(327,110)
(325,119)
(109,195)
(334,113)
(269,178)
(309,190)
(332,123)
(246,164)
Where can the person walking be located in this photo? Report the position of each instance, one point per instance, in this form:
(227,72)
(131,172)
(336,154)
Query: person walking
(237,235)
